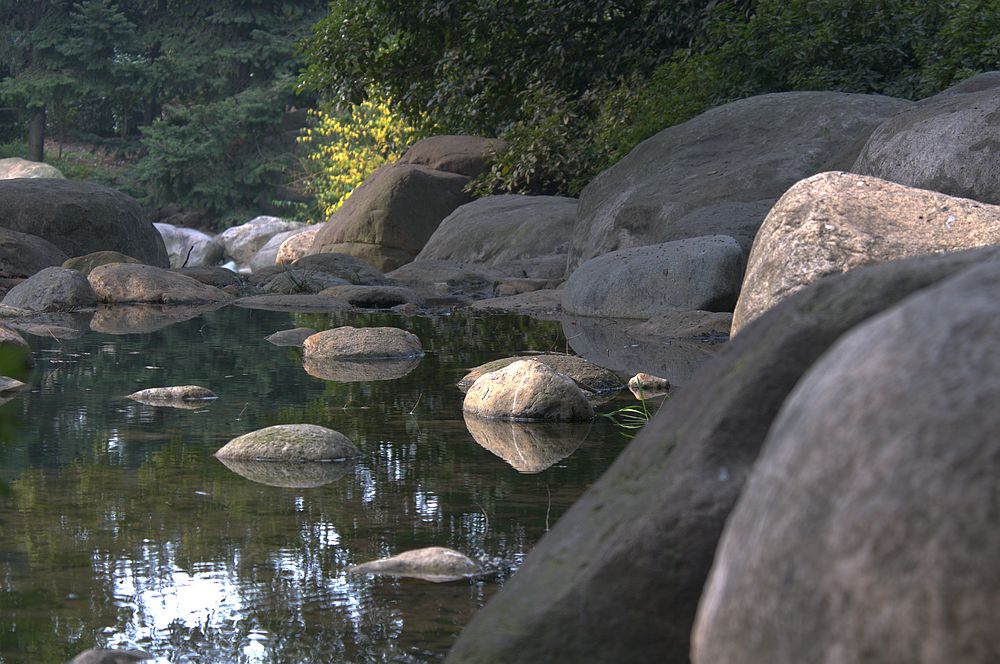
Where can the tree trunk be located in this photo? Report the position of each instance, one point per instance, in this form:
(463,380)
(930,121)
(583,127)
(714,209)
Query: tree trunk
(36,135)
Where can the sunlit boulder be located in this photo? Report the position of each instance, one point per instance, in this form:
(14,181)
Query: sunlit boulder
(290,442)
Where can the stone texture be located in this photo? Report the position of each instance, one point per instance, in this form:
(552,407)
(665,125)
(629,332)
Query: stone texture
(125,282)
(146,318)
(107,656)
(946,143)
(204,249)
(268,254)
(541,304)
(22,255)
(388,219)
(619,576)
(243,241)
(12,168)
(529,447)
(349,268)
(465,155)
(444,278)
(296,246)
(166,396)
(720,172)
(363,343)
(374,297)
(587,375)
(525,236)
(52,289)
(219,277)
(291,281)
(80,218)
(527,390)
(833,222)
(644,385)
(290,442)
(866,531)
(301,303)
(86,264)
(697,273)
(434,563)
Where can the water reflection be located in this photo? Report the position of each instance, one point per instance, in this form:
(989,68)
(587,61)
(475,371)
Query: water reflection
(119,528)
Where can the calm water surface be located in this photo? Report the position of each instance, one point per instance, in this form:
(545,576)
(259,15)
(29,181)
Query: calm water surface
(119,528)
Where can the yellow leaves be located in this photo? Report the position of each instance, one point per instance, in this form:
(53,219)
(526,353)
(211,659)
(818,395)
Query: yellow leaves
(349,147)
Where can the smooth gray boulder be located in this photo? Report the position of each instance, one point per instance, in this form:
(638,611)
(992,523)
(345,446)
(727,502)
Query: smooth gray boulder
(12,168)
(701,273)
(52,289)
(947,143)
(389,218)
(866,531)
(527,390)
(290,442)
(22,255)
(127,283)
(434,563)
(834,222)
(720,172)
(188,247)
(363,343)
(465,155)
(243,241)
(80,218)
(619,576)
(525,236)
(175,394)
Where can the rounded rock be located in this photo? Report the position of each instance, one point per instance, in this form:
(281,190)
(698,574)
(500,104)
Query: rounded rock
(290,442)
(527,390)
(372,343)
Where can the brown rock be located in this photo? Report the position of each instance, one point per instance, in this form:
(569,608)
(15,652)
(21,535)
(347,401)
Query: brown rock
(125,282)
(527,390)
(435,563)
(290,442)
(363,343)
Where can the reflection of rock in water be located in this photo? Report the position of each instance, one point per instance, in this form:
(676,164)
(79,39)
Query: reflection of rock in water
(289,475)
(142,318)
(57,325)
(619,345)
(356,371)
(529,447)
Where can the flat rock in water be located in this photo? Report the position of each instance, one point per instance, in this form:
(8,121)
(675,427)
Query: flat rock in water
(128,283)
(179,395)
(434,563)
(527,447)
(527,390)
(287,474)
(363,343)
(587,375)
(644,385)
(293,337)
(294,281)
(350,268)
(290,442)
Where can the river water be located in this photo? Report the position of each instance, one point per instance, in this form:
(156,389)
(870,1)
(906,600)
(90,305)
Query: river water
(119,528)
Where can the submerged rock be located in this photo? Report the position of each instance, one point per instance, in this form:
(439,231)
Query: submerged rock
(286,474)
(434,563)
(290,442)
(527,390)
(179,395)
(368,343)
(644,385)
(294,337)
(106,656)
(587,375)
(527,447)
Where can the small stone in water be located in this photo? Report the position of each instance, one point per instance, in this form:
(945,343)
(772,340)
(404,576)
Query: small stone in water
(434,563)
(167,395)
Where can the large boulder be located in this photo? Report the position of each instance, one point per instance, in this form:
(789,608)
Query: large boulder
(867,530)
(434,563)
(518,235)
(947,143)
(267,255)
(296,246)
(22,255)
(389,218)
(188,247)
(834,222)
(52,289)
(702,273)
(465,155)
(13,168)
(619,576)
(363,343)
(243,241)
(527,390)
(720,172)
(80,218)
(127,282)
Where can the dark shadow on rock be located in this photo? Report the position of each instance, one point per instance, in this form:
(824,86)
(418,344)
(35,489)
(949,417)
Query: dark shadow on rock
(143,318)
(288,475)
(358,371)
(527,447)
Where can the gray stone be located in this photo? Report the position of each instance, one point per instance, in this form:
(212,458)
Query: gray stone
(518,235)
(22,255)
(435,563)
(188,247)
(697,273)
(350,268)
(619,576)
(947,143)
(833,222)
(300,303)
(719,173)
(243,241)
(296,246)
(541,304)
(86,264)
(80,218)
(293,337)
(177,394)
(12,168)
(866,531)
(527,390)
(465,155)
(126,282)
(443,278)
(290,442)
(374,297)
(267,255)
(388,219)
(588,376)
(529,447)
(52,289)
(363,343)
(292,281)
(644,385)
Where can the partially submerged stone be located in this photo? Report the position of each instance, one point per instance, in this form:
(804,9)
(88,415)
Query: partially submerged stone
(126,283)
(349,268)
(644,385)
(290,442)
(52,289)
(587,375)
(527,447)
(541,304)
(363,343)
(106,656)
(178,395)
(527,390)
(294,281)
(434,563)
(287,474)
(294,337)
